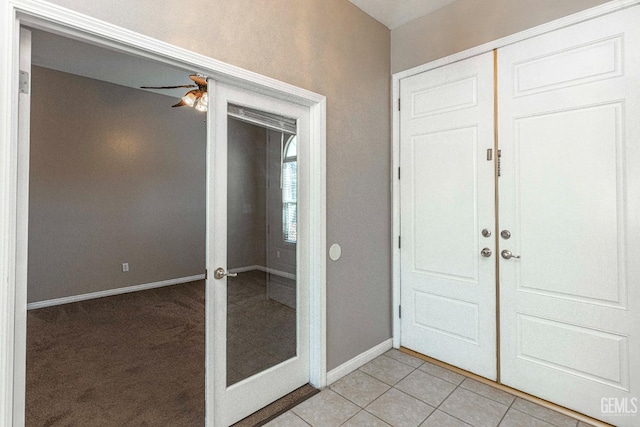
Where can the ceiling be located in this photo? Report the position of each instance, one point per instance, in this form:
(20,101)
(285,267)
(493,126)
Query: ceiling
(394,13)
(71,56)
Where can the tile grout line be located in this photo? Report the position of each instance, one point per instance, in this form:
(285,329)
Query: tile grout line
(443,400)
(398,390)
(357,404)
(364,410)
(507,411)
(298,416)
(436,407)
(376,417)
(427,373)
(352,416)
(413,397)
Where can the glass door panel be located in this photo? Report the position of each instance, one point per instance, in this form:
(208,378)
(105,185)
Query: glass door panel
(261,248)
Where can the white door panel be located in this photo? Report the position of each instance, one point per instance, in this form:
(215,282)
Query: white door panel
(447,198)
(569,190)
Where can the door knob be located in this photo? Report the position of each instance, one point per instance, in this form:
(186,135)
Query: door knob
(506,254)
(220,273)
(486,252)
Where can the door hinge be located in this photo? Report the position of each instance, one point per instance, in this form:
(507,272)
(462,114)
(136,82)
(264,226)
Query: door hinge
(24,82)
(398,104)
(398,172)
(400,311)
(399,242)
(206,274)
(499,164)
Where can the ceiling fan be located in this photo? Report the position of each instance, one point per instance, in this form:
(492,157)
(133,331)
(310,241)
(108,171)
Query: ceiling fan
(197,98)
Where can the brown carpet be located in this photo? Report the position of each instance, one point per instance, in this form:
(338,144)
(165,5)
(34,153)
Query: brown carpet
(138,359)
(128,360)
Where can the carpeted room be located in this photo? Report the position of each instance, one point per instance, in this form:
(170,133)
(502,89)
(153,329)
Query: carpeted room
(118,176)
(115,177)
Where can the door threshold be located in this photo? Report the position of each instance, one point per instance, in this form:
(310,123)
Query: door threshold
(544,403)
(279,407)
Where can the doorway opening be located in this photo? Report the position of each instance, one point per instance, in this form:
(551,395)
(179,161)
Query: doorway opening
(82,28)
(117,227)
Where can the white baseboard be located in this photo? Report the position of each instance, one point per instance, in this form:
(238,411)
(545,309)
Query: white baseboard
(111,292)
(265,269)
(358,361)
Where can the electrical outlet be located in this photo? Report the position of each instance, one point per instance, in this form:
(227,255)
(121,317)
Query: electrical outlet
(277,254)
(125,267)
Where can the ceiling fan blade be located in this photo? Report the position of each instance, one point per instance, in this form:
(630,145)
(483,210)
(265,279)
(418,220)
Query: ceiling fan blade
(180,104)
(199,80)
(196,92)
(166,87)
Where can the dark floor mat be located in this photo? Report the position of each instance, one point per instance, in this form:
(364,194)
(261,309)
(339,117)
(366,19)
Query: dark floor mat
(278,407)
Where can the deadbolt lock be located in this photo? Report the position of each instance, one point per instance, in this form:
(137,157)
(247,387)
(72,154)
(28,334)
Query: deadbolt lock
(486,232)
(486,252)
(506,234)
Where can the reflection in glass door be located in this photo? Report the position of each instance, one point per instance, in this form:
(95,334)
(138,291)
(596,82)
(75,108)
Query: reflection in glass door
(261,242)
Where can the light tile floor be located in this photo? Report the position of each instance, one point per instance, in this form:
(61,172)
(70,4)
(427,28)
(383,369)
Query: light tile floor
(399,390)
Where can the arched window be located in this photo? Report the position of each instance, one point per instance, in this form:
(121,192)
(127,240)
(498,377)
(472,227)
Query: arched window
(289,191)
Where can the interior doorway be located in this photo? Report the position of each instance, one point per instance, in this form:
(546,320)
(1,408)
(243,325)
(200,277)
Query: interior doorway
(313,249)
(117,227)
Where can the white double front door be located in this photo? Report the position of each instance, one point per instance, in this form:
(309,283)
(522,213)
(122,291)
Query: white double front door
(569,197)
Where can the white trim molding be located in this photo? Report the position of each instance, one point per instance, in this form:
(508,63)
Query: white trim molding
(556,24)
(396,78)
(9,39)
(53,18)
(358,361)
(112,292)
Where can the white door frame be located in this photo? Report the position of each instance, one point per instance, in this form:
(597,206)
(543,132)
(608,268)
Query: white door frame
(587,14)
(53,18)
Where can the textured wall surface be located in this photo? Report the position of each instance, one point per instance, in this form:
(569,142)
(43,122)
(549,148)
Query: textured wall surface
(115,177)
(464,24)
(333,48)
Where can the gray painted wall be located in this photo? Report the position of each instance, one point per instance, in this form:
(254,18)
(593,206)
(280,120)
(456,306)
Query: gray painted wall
(333,48)
(100,167)
(247,191)
(117,175)
(464,24)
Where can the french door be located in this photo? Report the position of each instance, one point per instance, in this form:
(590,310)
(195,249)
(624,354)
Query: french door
(257,347)
(448,215)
